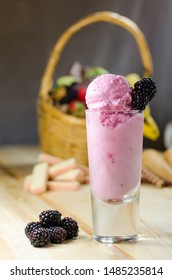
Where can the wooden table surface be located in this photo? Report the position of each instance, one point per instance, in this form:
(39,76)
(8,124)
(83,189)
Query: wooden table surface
(18,207)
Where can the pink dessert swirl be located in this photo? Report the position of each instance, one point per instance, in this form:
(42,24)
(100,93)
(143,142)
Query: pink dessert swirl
(109,92)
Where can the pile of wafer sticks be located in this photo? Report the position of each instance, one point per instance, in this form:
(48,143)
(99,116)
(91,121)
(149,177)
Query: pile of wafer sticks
(53,173)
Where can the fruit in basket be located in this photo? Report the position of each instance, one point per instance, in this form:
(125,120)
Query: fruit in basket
(68,95)
(133,78)
(94,72)
(66,80)
(77,108)
(81,93)
(150,128)
(59,93)
(71,94)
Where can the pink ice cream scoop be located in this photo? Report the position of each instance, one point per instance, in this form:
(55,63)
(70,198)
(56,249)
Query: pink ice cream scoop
(109,92)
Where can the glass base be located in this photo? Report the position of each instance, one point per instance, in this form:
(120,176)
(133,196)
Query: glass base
(115,239)
(116,221)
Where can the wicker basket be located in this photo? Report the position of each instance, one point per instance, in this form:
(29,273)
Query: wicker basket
(63,135)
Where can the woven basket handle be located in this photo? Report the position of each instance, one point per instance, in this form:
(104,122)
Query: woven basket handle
(129,25)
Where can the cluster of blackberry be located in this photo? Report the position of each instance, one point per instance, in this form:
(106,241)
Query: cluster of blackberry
(51,229)
(143,92)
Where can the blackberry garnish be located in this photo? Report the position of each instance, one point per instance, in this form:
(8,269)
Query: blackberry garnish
(57,234)
(39,237)
(143,92)
(30,227)
(50,218)
(71,227)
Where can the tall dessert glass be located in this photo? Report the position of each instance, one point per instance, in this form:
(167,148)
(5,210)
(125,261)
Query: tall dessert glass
(114,141)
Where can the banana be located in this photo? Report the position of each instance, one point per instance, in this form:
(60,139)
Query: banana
(150,128)
(133,78)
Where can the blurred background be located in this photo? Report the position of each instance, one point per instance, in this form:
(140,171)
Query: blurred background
(29,30)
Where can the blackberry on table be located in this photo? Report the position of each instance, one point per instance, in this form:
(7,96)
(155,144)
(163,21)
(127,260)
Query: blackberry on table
(50,218)
(51,229)
(71,227)
(143,92)
(30,227)
(39,237)
(57,234)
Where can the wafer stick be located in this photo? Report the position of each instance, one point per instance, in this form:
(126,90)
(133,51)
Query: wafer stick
(71,175)
(61,167)
(48,158)
(168,156)
(84,169)
(155,161)
(63,186)
(39,178)
(27,182)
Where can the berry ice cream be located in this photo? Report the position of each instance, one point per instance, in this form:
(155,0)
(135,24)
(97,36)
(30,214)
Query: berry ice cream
(109,92)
